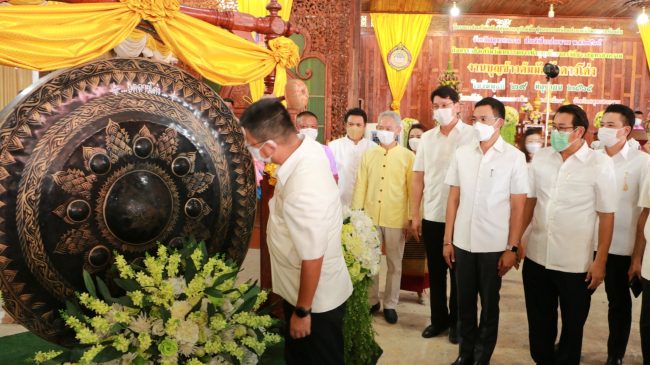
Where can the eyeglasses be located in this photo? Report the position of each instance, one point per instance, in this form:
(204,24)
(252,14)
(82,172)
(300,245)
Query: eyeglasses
(483,119)
(563,129)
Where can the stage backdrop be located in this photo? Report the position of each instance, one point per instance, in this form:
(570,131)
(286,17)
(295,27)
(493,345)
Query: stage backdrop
(601,60)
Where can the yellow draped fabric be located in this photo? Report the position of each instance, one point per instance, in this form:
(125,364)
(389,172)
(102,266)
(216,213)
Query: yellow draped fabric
(258,8)
(60,36)
(644,30)
(408,31)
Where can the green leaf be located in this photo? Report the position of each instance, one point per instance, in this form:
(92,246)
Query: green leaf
(204,251)
(73,309)
(250,297)
(103,290)
(213,292)
(107,354)
(90,285)
(124,300)
(223,278)
(127,284)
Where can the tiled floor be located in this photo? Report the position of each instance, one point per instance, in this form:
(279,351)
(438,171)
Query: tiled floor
(403,344)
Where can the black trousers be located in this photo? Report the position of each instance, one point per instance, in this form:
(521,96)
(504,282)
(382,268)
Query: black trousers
(619,314)
(476,275)
(441,315)
(543,288)
(324,346)
(644,323)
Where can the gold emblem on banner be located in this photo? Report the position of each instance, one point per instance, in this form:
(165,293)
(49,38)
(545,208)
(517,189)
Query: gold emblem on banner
(399,58)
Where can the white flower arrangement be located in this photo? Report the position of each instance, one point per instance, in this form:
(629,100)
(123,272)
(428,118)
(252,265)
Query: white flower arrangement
(361,245)
(179,308)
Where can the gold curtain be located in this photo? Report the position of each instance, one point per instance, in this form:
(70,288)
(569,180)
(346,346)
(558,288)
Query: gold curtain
(644,30)
(400,36)
(12,81)
(258,8)
(59,36)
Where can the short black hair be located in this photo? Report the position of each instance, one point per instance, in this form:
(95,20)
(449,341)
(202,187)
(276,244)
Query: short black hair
(624,110)
(306,113)
(358,112)
(415,126)
(229,100)
(497,107)
(579,116)
(638,112)
(446,92)
(267,119)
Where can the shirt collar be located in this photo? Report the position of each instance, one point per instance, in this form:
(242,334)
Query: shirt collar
(625,151)
(499,145)
(582,153)
(458,127)
(284,171)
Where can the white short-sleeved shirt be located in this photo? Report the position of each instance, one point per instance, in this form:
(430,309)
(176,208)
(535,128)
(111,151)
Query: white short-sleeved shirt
(433,157)
(348,156)
(631,168)
(305,223)
(644,202)
(569,196)
(486,183)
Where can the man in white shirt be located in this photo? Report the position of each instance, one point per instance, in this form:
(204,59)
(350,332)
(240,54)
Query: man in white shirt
(348,151)
(436,150)
(631,167)
(489,183)
(304,235)
(571,193)
(640,268)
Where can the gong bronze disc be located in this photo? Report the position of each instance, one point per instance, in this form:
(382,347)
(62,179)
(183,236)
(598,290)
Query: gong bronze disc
(113,155)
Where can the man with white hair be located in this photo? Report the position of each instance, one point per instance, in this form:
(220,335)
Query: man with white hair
(383,189)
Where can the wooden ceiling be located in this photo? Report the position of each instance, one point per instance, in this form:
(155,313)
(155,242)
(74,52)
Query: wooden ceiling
(571,8)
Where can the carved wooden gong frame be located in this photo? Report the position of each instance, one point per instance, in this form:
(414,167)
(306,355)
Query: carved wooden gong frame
(113,155)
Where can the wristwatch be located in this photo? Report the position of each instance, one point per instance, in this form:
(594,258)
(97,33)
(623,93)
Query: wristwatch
(302,312)
(512,248)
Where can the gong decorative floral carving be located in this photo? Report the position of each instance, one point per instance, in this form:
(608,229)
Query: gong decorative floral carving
(113,155)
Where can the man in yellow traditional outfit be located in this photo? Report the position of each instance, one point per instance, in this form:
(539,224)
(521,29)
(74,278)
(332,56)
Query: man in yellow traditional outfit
(383,189)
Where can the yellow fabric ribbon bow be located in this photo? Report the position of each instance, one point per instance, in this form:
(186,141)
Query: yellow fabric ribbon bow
(153,10)
(285,52)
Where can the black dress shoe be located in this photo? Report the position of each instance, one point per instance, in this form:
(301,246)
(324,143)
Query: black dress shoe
(480,363)
(432,331)
(614,361)
(453,335)
(375,308)
(390,315)
(462,360)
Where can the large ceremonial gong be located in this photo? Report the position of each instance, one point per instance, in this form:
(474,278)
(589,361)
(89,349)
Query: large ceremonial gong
(113,155)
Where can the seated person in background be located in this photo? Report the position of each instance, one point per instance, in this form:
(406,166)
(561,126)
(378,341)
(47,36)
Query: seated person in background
(307,124)
(415,133)
(532,142)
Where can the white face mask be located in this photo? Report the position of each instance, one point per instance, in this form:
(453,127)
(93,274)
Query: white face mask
(444,116)
(533,147)
(637,121)
(608,136)
(483,131)
(255,151)
(413,143)
(310,132)
(596,145)
(386,137)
